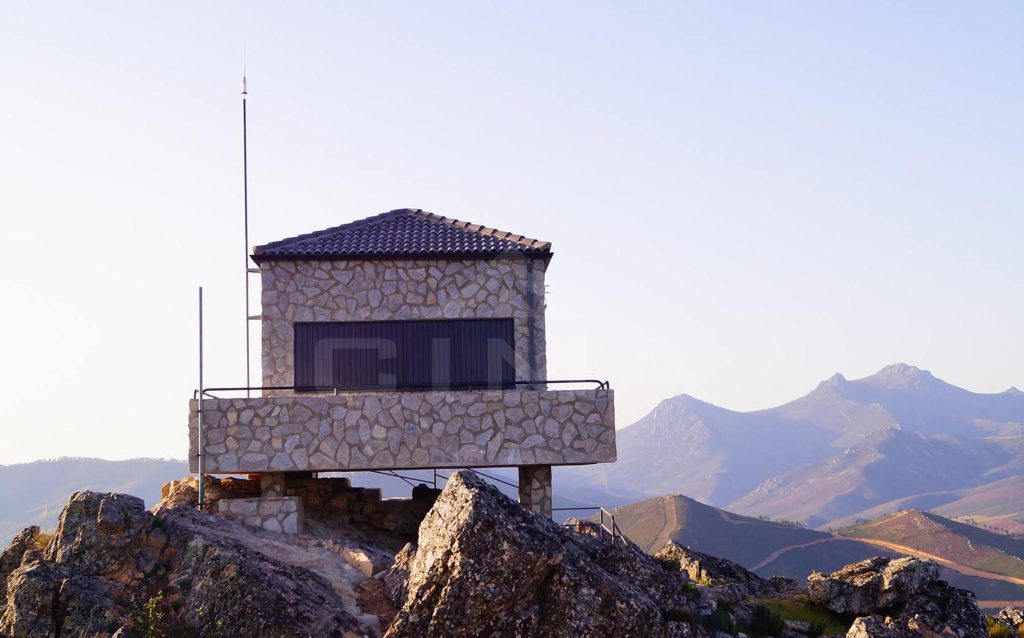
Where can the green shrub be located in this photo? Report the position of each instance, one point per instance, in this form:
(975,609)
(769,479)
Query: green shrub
(997,630)
(718,620)
(822,621)
(151,620)
(765,622)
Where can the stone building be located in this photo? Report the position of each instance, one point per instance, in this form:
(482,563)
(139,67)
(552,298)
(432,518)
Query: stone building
(404,341)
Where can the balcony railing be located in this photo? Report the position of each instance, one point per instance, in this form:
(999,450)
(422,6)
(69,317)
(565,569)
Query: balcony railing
(208,392)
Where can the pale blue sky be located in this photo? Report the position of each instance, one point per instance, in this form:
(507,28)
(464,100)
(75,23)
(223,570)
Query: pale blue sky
(744,198)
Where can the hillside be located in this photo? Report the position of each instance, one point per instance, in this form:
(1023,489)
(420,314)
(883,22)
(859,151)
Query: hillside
(774,549)
(844,448)
(997,505)
(887,465)
(34,493)
(765,547)
(958,543)
(713,454)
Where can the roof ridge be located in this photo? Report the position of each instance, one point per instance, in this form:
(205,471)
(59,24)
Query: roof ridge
(404,240)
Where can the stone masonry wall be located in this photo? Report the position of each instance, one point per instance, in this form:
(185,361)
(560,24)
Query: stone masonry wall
(535,488)
(405,430)
(276,514)
(396,289)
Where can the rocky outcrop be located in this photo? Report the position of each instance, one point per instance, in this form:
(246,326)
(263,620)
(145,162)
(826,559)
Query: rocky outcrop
(1011,618)
(396,579)
(113,567)
(896,598)
(732,582)
(876,584)
(485,566)
(482,566)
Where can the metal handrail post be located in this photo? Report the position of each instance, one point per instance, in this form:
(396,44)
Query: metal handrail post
(199,409)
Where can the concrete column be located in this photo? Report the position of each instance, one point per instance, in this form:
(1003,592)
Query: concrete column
(272,484)
(535,488)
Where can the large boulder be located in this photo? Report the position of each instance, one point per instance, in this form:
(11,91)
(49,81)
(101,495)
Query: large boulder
(101,534)
(877,627)
(896,598)
(11,558)
(1011,618)
(112,567)
(485,566)
(875,584)
(732,582)
(226,588)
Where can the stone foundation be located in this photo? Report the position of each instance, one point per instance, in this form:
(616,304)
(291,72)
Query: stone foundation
(330,501)
(335,499)
(535,488)
(274,513)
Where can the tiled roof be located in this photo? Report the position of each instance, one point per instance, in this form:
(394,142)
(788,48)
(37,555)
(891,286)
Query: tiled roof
(403,234)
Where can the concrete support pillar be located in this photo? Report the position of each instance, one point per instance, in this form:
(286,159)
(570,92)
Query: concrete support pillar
(272,484)
(535,488)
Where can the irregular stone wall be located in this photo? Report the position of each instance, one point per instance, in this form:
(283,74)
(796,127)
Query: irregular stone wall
(405,430)
(272,513)
(397,289)
(334,499)
(535,488)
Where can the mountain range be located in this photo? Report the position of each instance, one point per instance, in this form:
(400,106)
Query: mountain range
(989,564)
(849,449)
(34,493)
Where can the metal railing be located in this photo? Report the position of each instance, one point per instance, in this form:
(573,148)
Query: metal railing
(601,385)
(606,520)
(437,474)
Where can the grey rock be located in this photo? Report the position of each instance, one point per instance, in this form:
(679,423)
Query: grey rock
(1011,617)
(896,598)
(732,582)
(484,565)
(876,584)
(109,559)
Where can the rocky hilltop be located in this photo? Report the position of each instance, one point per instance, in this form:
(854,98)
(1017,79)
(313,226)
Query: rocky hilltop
(481,566)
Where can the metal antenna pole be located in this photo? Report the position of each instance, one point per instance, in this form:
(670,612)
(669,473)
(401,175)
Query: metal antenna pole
(201,439)
(245,195)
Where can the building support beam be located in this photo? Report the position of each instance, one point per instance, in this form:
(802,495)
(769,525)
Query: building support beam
(535,488)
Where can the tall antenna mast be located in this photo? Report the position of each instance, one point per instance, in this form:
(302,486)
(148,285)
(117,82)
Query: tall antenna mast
(245,197)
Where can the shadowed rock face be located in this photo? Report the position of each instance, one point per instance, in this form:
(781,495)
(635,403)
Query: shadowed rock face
(732,582)
(113,567)
(485,566)
(896,598)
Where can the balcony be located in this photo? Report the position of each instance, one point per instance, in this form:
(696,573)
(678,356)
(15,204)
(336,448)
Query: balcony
(377,430)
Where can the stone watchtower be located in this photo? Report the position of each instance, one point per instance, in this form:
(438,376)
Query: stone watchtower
(405,341)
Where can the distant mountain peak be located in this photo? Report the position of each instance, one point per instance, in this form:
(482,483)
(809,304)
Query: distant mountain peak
(901,370)
(1013,390)
(900,375)
(836,379)
(686,401)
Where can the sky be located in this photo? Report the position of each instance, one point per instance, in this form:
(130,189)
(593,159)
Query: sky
(743,198)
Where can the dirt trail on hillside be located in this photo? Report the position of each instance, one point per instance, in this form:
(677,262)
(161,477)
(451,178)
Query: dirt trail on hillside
(668,506)
(963,569)
(999,604)
(779,552)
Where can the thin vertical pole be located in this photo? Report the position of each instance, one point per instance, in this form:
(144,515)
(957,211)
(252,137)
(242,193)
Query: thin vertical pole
(531,339)
(201,438)
(245,201)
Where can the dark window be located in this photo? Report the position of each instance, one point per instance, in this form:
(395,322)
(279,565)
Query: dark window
(443,353)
